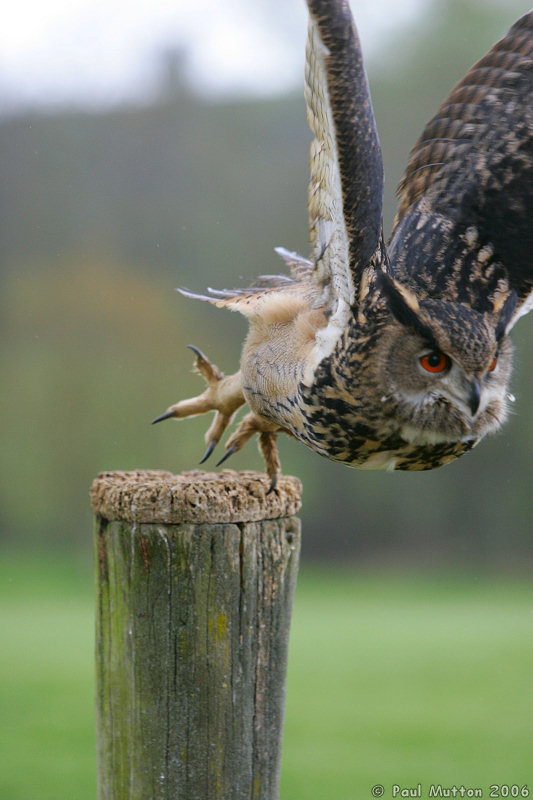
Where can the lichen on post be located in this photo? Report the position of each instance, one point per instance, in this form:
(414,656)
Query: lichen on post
(195,579)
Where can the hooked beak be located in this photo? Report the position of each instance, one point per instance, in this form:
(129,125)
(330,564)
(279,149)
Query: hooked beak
(474,396)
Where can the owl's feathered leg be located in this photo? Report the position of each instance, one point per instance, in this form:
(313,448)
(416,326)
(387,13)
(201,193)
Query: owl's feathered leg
(269,451)
(223,395)
(267,444)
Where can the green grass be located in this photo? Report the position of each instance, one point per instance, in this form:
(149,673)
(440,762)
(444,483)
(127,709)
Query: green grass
(392,679)
(46,679)
(405,680)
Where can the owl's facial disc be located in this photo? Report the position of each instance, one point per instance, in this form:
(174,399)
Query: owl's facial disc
(448,367)
(445,397)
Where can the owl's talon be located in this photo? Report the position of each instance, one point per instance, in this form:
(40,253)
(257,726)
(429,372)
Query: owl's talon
(204,367)
(210,447)
(198,352)
(273,484)
(229,452)
(222,395)
(161,417)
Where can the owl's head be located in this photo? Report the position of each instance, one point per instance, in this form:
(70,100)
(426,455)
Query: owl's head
(446,367)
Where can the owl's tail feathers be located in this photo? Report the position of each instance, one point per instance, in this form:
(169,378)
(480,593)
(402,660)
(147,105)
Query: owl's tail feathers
(222,395)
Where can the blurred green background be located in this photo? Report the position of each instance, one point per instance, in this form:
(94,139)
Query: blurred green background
(414,663)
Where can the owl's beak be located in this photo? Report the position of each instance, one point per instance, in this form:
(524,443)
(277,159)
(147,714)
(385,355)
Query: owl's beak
(474,396)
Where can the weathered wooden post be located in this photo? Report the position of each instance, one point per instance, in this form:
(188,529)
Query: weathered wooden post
(195,579)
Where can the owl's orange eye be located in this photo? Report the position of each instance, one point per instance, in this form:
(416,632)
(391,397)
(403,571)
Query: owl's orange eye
(493,364)
(435,361)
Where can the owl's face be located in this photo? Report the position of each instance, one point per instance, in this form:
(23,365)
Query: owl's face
(445,370)
(438,398)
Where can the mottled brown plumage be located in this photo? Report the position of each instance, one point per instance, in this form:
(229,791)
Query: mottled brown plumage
(392,356)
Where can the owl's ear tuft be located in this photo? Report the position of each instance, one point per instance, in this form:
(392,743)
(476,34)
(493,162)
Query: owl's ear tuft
(405,307)
(505,314)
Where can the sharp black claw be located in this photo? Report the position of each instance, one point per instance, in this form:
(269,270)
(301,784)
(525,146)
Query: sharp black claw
(166,415)
(273,484)
(197,351)
(210,447)
(226,455)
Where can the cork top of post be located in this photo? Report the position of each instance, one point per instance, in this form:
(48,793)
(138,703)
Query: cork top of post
(155,496)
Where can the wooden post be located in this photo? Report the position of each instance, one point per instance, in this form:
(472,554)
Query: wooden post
(195,579)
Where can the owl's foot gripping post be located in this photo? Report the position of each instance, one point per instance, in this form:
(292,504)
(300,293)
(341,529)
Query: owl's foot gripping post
(224,395)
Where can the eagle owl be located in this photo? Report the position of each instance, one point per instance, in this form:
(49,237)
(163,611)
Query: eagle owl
(390,355)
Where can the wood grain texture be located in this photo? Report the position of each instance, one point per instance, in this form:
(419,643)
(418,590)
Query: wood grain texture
(196,496)
(192,635)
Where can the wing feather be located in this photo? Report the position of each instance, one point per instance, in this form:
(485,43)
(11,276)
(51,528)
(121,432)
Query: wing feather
(346,180)
(248,300)
(327,229)
(463,227)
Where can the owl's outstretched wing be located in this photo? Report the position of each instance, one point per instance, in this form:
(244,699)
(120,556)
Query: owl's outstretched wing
(346,182)
(464,227)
